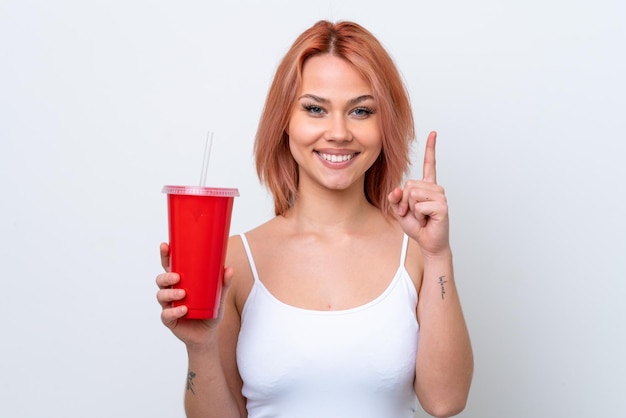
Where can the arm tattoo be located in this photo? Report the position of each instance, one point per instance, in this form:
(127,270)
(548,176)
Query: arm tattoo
(190,377)
(443,289)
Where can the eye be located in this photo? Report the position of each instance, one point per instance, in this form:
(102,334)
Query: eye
(313,109)
(363,112)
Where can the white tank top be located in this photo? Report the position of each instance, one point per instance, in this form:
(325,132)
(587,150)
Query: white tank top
(359,362)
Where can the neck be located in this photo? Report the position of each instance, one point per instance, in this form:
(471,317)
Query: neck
(331,210)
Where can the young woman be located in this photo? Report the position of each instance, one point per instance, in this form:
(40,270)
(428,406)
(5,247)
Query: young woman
(344,304)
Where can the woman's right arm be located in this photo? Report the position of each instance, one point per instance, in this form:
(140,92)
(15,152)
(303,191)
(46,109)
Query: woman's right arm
(213,387)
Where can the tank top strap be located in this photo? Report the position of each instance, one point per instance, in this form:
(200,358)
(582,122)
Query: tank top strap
(250,259)
(405,246)
(255,274)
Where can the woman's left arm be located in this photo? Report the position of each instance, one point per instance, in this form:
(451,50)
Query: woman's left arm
(444,363)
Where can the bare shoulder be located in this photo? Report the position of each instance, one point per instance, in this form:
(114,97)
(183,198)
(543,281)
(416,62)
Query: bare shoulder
(237,259)
(271,227)
(236,255)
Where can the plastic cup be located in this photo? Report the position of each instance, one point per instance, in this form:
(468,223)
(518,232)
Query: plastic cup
(199,225)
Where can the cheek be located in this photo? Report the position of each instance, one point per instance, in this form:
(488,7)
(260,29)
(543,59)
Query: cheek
(303,132)
(294,150)
(378,139)
(376,144)
(288,129)
(374,140)
(293,127)
(369,133)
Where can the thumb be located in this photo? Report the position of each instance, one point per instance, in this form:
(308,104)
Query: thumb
(395,199)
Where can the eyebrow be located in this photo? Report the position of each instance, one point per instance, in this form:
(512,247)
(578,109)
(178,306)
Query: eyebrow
(323,100)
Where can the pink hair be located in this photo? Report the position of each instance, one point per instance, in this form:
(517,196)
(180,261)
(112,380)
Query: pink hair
(276,167)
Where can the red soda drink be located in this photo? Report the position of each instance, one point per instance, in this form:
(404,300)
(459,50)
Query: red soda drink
(199,225)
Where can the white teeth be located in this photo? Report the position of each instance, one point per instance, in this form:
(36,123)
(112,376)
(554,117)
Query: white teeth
(333,158)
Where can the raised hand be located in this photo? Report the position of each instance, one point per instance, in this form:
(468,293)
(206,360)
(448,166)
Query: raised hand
(421,206)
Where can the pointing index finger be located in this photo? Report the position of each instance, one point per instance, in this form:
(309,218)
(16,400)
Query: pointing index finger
(430,170)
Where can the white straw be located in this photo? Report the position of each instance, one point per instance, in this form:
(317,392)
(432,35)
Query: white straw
(207,156)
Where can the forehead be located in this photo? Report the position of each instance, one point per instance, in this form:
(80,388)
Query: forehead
(328,75)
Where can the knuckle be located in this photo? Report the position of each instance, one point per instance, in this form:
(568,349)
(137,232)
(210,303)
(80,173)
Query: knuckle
(166,296)
(161,296)
(164,280)
(166,317)
(160,280)
(414,193)
(410,183)
(172,278)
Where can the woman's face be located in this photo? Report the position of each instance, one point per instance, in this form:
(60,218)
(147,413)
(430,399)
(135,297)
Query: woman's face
(334,132)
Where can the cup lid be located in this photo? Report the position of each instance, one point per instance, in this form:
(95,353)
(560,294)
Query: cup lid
(201,191)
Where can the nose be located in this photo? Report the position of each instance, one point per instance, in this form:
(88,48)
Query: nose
(338,129)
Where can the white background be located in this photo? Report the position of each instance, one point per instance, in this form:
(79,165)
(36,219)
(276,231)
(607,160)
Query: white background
(102,103)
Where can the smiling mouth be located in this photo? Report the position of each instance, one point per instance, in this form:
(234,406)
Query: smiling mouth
(334,158)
